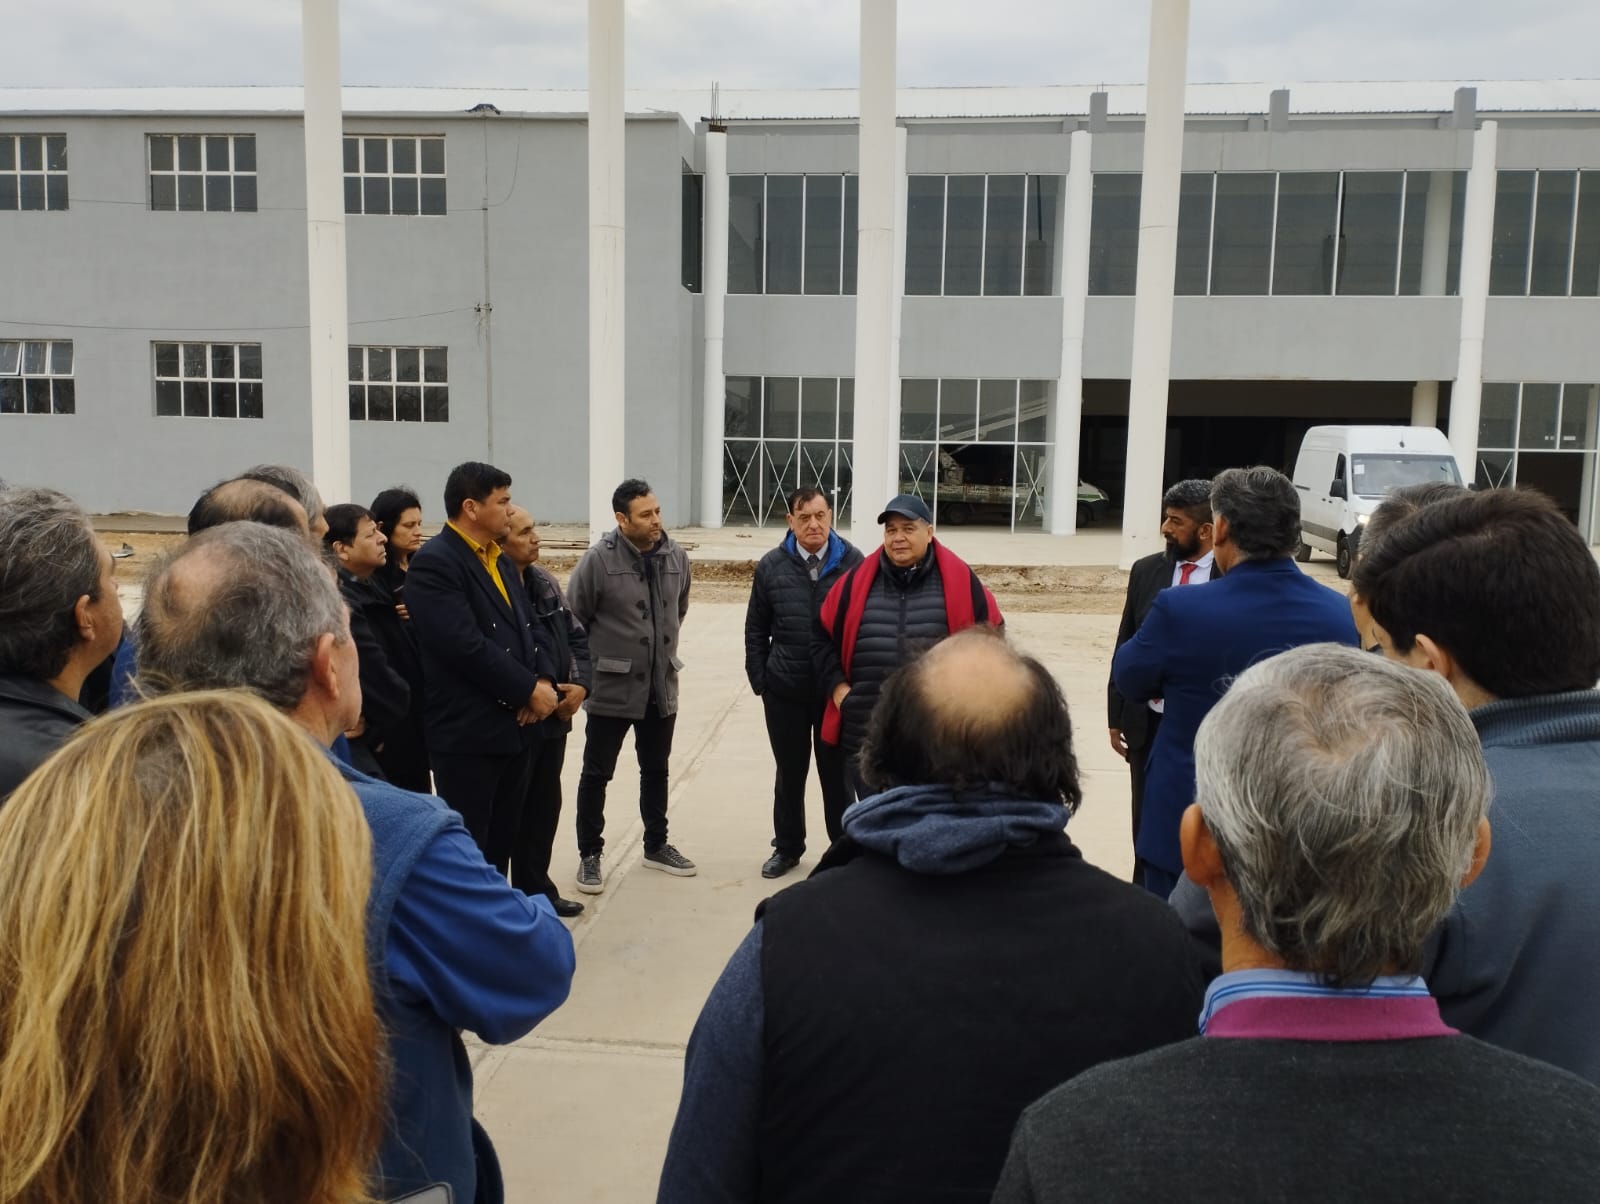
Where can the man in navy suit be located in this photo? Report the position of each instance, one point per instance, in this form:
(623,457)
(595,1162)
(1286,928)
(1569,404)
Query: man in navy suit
(486,672)
(1195,641)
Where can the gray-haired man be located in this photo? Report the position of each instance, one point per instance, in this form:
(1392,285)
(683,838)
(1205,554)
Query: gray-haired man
(1341,810)
(59,618)
(253,607)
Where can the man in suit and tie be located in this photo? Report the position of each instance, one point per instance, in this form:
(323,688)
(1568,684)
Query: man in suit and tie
(1194,642)
(487,670)
(1188,559)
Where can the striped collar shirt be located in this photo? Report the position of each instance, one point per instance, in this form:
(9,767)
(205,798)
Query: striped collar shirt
(1297,1005)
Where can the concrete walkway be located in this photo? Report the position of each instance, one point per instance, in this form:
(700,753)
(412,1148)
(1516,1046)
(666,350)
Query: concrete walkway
(581,1109)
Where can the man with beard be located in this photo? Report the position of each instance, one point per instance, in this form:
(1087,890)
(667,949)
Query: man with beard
(1187,560)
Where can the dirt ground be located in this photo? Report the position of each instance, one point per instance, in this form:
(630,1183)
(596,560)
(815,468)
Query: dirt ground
(1054,589)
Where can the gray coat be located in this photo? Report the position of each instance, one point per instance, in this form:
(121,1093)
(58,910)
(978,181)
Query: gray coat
(632,605)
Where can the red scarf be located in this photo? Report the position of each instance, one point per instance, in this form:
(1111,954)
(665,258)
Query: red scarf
(961,591)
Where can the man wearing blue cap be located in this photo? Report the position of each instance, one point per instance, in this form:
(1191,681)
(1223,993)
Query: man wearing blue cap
(887,611)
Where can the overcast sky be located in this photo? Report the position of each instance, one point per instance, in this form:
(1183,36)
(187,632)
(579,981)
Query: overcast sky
(796,43)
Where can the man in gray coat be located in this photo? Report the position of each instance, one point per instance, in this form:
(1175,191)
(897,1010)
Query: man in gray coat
(630,591)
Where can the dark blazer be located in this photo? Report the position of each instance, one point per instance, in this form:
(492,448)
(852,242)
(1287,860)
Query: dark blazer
(1148,577)
(481,656)
(1192,644)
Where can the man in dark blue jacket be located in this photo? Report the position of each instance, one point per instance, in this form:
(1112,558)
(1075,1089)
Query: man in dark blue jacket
(487,668)
(453,945)
(790,583)
(1195,641)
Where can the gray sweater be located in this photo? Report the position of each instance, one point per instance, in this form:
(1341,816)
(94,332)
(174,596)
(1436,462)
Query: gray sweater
(1517,961)
(1439,1118)
(632,603)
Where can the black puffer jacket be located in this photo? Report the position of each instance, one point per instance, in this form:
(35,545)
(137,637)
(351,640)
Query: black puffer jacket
(904,615)
(782,614)
(35,720)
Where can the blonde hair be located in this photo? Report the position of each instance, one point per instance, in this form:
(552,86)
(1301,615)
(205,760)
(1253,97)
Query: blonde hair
(186,1013)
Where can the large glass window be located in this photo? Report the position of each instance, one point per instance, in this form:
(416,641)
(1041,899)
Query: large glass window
(1554,210)
(1195,192)
(1586,237)
(1431,197)
(976,450)
(1546,234)
(33,171)
(36,377)
(692,252)
(1304,241)
(1241,241)
(1513,227)
(781,433)
(969,236)
(792,234)
(1369,232)
(1114,235)
(1544,435)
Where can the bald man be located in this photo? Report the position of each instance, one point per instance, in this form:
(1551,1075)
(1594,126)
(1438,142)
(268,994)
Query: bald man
(973,961)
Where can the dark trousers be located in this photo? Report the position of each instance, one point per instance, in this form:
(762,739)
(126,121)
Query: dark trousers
(652,742)
(1138,771)
(488,792)
(541,809)
(794,729)
(404,759)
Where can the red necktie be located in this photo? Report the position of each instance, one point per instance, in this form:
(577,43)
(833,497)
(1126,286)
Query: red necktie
(1186,570)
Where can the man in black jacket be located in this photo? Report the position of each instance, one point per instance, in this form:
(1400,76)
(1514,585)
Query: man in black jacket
(790,583)
(1187,560)
(488,672)
(885,1022)
(59,618)
(547,741)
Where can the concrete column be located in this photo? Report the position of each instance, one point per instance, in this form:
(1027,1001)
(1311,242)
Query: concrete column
(714,294)
(875,285)
(891,414)
(1067,413)
(1435,275)
(1477,241)
(1158,261)
(328,312)
(607,228)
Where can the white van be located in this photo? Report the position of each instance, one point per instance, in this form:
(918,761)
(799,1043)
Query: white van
(1343,472)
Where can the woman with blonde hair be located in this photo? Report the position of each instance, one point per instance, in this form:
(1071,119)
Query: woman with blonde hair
(186,1015)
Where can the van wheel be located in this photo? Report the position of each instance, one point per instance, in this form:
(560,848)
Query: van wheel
(1085,514)
(1344,558)
(1303,552)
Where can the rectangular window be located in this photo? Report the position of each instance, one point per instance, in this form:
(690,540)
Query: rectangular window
(785,232)
(1552,233)
(1039,235)
(1369,233)
(792,234)
(33,171)
(824,234)
(208,380)
(693,222)
(1513,227)
(782,433)
(1002,236)
(1193,276)
(399,384)
(1114,234)
(852,235)
(36,377)
(963,237)
(1303,255)
(1586,238)
(400,175)
(924,235)
(1243,219)
(747,210)
(202,173)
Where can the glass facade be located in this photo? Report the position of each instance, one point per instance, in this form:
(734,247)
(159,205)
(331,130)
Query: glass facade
(981,236)
(1546,234)
(977,451)
(792,234)
(782,432)
(1544,435)
(1288,234)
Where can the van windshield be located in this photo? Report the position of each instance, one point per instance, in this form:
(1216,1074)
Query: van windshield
(1374,476)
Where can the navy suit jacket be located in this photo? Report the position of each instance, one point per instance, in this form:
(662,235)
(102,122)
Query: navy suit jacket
(482,656)
(1191,645)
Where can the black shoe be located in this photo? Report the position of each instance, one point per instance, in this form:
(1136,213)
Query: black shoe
(778,865)
(566,908)
(670,861)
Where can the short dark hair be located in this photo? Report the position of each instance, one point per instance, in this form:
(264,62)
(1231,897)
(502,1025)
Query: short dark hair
(49,558)
(474,480)
(1262,509)
(1192,496)
(913,742)
(1501,580)
(622,497)
(1401,503)
(389,505)
(247,500)
(344,520)
(805,494)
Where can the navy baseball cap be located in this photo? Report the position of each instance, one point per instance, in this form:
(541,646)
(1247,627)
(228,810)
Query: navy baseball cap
(907,505)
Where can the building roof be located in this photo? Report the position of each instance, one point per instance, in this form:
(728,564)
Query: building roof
(1436,96)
